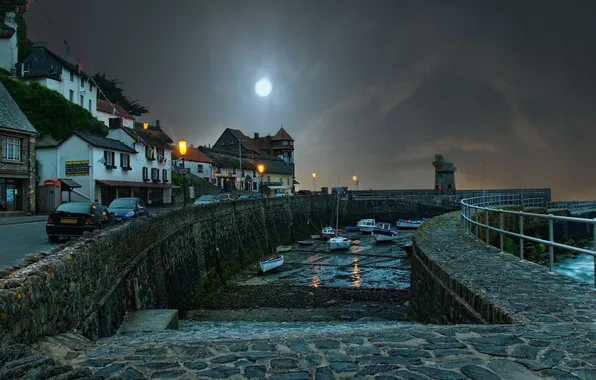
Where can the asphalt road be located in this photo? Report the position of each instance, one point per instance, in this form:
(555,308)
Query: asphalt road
(17,240)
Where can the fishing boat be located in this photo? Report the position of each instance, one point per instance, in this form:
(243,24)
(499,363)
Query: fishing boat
(366,225)
(305,242)
(383,232)
(328,233)
(337,243)
(352,229)
(271,264)
(283,248)
(410,223)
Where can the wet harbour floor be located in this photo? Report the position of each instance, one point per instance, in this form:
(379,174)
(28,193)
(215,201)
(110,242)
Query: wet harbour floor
(368,281)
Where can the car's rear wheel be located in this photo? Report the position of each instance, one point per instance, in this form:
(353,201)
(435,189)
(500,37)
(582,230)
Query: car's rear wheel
(53,239)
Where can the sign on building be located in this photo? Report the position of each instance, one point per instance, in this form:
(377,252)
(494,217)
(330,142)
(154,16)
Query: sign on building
(77,168)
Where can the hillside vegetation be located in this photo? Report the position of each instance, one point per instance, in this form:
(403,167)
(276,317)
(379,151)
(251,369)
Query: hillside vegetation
(49,111)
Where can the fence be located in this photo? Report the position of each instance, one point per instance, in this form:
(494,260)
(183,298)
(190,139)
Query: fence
(472,207)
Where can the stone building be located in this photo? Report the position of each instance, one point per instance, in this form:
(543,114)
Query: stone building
(444,175)
(17,159)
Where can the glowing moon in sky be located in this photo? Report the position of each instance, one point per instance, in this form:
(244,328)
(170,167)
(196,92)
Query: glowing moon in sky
(263,87)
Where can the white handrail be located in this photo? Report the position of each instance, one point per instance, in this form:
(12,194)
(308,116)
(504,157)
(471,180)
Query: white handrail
(471,208)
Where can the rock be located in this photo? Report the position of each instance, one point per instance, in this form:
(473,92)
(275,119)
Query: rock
(14,352)
(511,370)
(436,373)
(132,374)
(327,344)
(478,373)
(324,373)
(197,364)
(284,363)
(255,371)
(170,374)
(219,373)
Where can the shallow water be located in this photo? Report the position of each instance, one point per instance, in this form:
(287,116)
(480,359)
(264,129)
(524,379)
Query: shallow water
(580,267)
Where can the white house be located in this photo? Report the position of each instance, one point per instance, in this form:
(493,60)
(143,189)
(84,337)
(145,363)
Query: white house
(107,111)
(196,162)
(9,50)
(56,73)
(103,169)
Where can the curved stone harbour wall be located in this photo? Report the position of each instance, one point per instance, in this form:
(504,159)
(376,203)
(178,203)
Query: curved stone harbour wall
(161,262)
(456,279)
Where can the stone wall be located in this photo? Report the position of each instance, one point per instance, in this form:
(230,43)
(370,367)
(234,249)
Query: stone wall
(457,279)
(171,259)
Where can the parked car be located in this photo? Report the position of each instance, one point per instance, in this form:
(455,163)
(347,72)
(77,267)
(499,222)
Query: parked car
(73,218)
(106,216)
(206,199)
(124,209)
(243,196)
(256,196)
(280,194)
(223,197)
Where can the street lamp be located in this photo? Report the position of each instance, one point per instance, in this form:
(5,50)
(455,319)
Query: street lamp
(261,169)
(355,179)
(314,180)
(182,149)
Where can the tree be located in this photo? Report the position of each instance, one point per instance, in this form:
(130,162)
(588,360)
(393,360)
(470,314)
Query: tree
(111,91)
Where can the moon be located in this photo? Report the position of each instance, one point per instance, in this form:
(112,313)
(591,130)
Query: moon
(263,88)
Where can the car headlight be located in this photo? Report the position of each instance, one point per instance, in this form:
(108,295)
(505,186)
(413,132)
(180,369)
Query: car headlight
(129,214)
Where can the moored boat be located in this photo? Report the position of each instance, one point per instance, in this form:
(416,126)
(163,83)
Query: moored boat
(328,233)
(352,229)
(283,248)
(410,223)
(366,225)
(305,242)
(383,232)
(271,264)
(337,243)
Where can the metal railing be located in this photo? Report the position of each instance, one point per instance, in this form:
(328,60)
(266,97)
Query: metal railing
(471,209)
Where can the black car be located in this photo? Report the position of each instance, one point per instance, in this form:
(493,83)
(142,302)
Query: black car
(74,218)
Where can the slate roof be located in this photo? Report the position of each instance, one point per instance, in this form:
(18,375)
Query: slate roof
(246,141)
(224,159)
(46,142)
(104,142)
(192,154)
(11,116)
(153,135)
(282,135)
(105,107)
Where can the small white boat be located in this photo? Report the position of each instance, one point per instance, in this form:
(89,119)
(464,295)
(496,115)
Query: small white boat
(366,225)
(383,232)
(271,264)
(283,248)
(337,243)
(305,242)
(410,223)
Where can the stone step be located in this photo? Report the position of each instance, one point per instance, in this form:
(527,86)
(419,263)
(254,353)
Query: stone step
(149,321)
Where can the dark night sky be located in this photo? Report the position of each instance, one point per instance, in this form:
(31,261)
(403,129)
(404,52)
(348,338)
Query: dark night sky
(367,88)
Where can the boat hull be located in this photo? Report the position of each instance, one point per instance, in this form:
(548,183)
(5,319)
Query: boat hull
(283,248)
(339,243)
(380,236)
(306,242)
(271,264)
(410,224)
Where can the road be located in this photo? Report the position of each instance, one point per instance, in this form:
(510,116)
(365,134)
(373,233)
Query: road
(21,239)
(17,240)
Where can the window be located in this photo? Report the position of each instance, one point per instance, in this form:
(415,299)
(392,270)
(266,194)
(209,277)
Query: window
(284,143)
(149,152)
(223,143)
(71,76)
(164,174)
(26,68)
(145,174)
(268,178)
(89,105)
(160,152)
(11,149)
(90,85)
(71,96)
(254,185)
(155,174)
(232,142)
(125,161)
(82,100)
(109,159)
(82,82)
(199,168)
(287,181)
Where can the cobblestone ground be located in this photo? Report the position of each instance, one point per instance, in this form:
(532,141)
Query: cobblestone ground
(320,351)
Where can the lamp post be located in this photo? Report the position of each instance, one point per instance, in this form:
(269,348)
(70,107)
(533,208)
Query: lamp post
(261,169)
(355,179)
(314,180)
(182,149)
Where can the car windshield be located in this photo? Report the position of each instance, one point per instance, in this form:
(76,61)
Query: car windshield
(223,196)
(123,203)
(79,208)
(205,198)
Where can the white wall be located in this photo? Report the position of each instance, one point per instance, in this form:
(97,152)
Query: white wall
(8,46)
(105,118)
(193,167)
(64,87)
(48,163)
(76,149)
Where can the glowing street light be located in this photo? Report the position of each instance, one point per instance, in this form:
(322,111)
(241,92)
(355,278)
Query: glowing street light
(182,149)
(355,179)
(261,169)
(314,181)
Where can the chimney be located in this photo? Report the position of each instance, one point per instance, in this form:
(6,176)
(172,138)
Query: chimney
(157,124)
(256,135)
(115,122)
(209,146)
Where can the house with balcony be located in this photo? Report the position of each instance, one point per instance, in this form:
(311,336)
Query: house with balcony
(107,112)
(152,166)
(56,73)
(196,161)
(17,158)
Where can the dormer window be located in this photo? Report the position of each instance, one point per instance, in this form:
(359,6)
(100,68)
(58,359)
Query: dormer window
(26,68)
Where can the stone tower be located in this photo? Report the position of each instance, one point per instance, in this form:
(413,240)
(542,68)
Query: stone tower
(444,175)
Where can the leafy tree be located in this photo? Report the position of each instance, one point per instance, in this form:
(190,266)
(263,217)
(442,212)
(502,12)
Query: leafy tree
(50,112)
(113,92)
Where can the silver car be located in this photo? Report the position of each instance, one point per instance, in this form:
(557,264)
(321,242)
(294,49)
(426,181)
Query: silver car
(206,199)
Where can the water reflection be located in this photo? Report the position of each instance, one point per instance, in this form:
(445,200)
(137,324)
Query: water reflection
(316,279)
(356,274)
